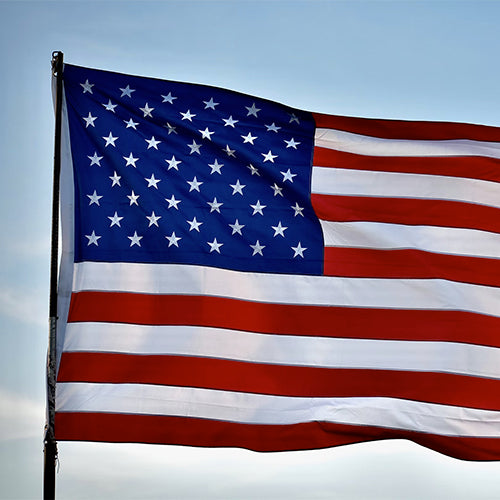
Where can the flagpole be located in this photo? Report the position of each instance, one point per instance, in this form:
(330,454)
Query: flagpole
(50,444)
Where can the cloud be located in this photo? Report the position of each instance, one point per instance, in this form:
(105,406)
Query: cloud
(20,416)
(28,307)
(28,248)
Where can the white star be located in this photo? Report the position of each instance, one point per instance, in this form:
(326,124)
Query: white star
(229,122)
(152,182)
(171,128)
(172,163)
(298,250)
(131,160)
(252,110)
(277,190)
(229,151)
(131,124)
(257,208)
(153,219)
(279,229)
(237,227)
(110,140)
(94,198)
(92,237)
(214,205)
(215,166)
(187,115)
(293,118)
(257,248)
(115,220)
(269,156)
(152,143)
(237,188)
(87,87)
(135,239)
(210,104)
(110,106)
(127,91)
(172,202)
(116,179)
(292,143)
(95,160)
(194,224)
(147,110)
(253,170)
(206,134)
(249,138)
(173,239)
(214,245)
(133,198)
(89,120)
(195,148)
(272,127)
(298,210)
(194,184)
(288,176)
(169,98)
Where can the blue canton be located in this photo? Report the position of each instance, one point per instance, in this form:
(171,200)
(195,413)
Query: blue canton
(169,172)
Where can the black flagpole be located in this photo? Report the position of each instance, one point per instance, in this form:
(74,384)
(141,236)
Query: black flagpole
(50,444)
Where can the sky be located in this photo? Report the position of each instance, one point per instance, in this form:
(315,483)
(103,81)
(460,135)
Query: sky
(435,60)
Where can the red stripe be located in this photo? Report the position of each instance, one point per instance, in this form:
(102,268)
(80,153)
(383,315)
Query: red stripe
(122,428)
(342,322)
(280,380)
(366,262)
(406,211)
(401,129)
(473,167)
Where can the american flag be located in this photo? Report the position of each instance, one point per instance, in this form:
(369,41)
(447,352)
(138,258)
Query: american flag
(236,272)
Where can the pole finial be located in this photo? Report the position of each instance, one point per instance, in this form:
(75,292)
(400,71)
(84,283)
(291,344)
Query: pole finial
(57,61)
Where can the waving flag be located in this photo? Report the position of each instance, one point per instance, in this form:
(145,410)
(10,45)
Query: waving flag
(236,272)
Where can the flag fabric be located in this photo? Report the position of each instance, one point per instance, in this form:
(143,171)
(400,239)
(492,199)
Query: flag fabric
(238,273)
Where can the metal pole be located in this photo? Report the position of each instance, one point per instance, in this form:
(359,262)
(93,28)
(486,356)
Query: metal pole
(50,444)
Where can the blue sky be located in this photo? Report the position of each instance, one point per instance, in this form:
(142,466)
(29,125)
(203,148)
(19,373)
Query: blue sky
(435,60)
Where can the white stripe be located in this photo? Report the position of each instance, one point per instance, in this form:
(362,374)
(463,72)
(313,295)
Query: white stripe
(444,240)
(279,410)
(442,357)
(375,146)
(177,279)
(339,181)
(66,211)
